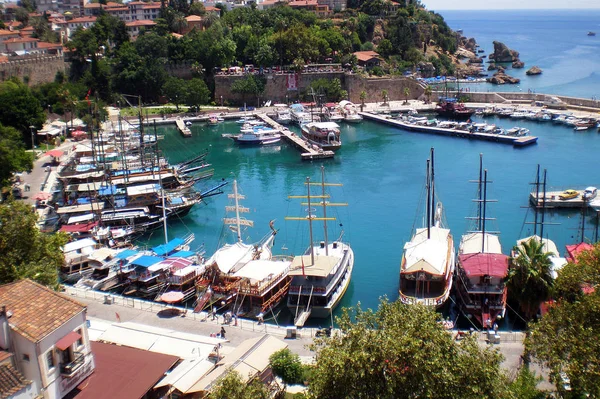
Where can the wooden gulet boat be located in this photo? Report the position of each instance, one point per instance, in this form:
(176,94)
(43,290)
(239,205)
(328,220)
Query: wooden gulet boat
(427,267)
(320,276)
(481,267)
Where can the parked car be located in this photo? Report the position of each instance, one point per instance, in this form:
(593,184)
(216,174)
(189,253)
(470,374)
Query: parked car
(568,194)
(590,193)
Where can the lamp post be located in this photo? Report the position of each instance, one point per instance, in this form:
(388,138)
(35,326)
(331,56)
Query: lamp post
(32,138)
(221,101)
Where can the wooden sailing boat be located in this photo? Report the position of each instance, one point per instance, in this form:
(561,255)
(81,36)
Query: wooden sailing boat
(320,276)
(427,266)
(247,277)
(481,267)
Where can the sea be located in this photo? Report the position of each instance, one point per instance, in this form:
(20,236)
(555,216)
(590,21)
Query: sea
(382,169)
(554,40)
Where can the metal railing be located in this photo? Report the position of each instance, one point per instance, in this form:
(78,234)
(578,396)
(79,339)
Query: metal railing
(68,369)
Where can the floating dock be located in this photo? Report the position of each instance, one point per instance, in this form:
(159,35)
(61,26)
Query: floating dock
(307,151)
(552,200)
(515,141)
(183,129)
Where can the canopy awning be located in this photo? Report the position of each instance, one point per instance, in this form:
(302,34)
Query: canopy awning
(482,264)
(146,261)
(126,253)
(68,340)
(183,254)
(165,249)
(78,228)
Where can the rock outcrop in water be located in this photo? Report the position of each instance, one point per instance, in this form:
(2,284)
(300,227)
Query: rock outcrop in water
(518,64)
(534,70)
(503,54)
(500,78)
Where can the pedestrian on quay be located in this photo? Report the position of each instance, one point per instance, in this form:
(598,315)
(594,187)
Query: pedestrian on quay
(223,332)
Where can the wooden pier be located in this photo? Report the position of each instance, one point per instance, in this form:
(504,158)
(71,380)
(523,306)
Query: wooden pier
(183,129)
(552,200)
(515,141)
(307,152)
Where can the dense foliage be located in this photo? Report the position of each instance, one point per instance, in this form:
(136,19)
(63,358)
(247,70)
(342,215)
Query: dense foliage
(232,387)
(105,61)
(287,366)
(19,108)
(26,252)
(565,340)
(13,157)
(401,351)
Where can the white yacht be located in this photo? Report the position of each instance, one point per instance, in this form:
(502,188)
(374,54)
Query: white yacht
(350,112)
(299,114)
(283,115)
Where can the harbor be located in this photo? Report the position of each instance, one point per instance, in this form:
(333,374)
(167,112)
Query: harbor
(505,139)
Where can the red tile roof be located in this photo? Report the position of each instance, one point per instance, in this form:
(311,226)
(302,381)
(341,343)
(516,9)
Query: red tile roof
(366,55)
(212,9)
(93,5)
(4,355)
(193,18)
(11,381)
(151,6)
(5,32)
(303,3)
(36,310)
(123,373)
(143,22)
(27,39)
(82,20)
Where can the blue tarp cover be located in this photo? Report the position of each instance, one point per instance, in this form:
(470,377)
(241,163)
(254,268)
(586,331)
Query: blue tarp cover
(126,253)
(146,261)
(165,249)
(182,254)
(110,190)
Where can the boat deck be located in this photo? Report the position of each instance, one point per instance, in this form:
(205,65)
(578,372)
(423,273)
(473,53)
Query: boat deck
(307,151)
(515,141)
(552,200)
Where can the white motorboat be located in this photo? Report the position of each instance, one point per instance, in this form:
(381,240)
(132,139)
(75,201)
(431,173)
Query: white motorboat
(283,115)
(351,114)
(299,114)
(258,135)
(325,135)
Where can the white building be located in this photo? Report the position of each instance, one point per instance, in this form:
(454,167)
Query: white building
(46,333)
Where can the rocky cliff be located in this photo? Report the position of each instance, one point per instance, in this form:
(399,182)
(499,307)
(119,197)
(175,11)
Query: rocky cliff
(503,54)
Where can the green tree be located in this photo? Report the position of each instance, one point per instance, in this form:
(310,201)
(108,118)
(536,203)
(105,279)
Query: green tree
(385,48)
(428,92)
(176,91)
(384,96)
(197,8)
(22,15)
(26,252)
(197,92)
(402,351)
(406,93)
(363,97)
(287,366)
(249,85)
(232,386)
(575,276)
(13,157)
(566,341)
(529,279)
(524,386)
(19,108)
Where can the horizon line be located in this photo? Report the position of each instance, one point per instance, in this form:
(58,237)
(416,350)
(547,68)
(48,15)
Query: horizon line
(515,9)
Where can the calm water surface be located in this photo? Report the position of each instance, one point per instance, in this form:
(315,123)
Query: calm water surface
(383,172)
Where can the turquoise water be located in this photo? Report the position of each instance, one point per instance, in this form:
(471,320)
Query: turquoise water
(383,171)
(554,40)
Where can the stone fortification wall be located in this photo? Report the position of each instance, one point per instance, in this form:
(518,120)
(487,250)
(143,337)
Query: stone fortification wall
(374,87)
(182,70)
(276,87)
(33,69)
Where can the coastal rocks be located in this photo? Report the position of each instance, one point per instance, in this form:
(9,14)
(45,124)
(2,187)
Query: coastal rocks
(500,78)
(427,69)
(464,53)
(492,67)
(470,44)
(503,54)
(534,70)
(475,61)
(518,64)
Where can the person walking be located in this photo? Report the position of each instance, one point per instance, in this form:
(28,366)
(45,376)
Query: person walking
(223,332)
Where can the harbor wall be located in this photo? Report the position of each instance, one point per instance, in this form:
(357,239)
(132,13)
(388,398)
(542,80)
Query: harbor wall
(523,98)
(276,88)
(33,69)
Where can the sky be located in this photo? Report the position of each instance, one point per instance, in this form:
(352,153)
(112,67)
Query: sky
(436,5)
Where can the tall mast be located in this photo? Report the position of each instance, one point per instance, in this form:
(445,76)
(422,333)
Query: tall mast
(237,212)
(432,212)
(543,208)
(537,199)
(484,207)
(479,191)
(428,200)
(162,191)
(324,210)
(312,250)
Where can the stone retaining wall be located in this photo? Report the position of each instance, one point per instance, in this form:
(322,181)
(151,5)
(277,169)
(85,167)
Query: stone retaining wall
(33,69)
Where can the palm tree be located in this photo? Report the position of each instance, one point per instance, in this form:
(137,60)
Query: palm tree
(428,93)
(529,279)
(406,93)
(363,97)
(384,95)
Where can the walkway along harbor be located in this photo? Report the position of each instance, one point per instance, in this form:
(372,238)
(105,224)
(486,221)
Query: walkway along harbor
(515,141)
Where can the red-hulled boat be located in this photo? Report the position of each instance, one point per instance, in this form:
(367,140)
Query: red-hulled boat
(450,108)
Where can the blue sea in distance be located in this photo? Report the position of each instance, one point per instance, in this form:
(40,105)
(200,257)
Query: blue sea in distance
(383,168)
(554,40)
